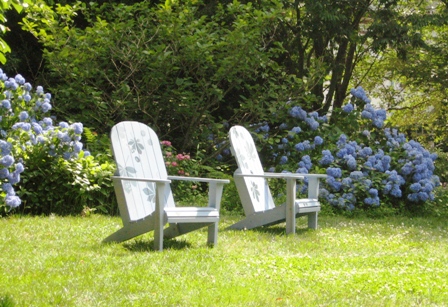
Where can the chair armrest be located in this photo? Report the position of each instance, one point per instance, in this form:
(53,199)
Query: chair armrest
(283,175)
(215,188)
(209,180)
(141,179)
(313,181)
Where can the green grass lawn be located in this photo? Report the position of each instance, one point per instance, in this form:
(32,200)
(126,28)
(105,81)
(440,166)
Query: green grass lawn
(60,261)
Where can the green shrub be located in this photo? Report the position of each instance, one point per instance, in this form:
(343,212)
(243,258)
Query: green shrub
(369,166)
(42,166)
(170,66)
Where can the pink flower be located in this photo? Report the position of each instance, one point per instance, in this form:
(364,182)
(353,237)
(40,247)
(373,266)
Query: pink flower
(168,153)
(166,143)
(183,157)
(181,172)
(167,163)
(174,163)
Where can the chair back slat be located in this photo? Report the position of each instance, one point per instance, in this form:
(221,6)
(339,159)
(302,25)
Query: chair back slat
(137,152)
(255,193)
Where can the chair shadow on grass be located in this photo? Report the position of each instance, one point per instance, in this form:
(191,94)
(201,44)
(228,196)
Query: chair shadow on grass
(148,245)
(277,230)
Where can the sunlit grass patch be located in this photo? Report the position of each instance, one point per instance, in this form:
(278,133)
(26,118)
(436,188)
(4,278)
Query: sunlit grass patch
(60,261)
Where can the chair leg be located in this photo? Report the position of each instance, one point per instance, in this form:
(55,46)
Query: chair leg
(213,234)
(158,231)
(158,238)
(312,220)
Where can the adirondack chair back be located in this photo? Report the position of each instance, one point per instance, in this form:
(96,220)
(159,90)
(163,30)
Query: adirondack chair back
(254,192)
(137,152)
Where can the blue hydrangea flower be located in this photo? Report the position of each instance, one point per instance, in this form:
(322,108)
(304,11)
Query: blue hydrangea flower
(327,158)
(348,108)
(67,156)
(298,112)
(360,94)
(318,140)
(12,201)
(46,107)
(307,162)
(5,147)
(365,152)
(63,125)
(307,145)
(415,187)
(406,169)
(264,128)
(372,201)
(396,191)
(7,160)
(283,160)
(356,175)
(366,114)
(4,173)
(302,170)
(19,79)
(77,147)
(314,114)
(342,140)
(323,193)
(14,177)
(323,118)
(299,147)
(341,153)
(366,133)
(27,87)
(47,122)
(378,122)
(6,104)
(335,172)
(347,183)
(351,162)
(423,196)
(373,192)
(312,123)
(296,130)
(333,183)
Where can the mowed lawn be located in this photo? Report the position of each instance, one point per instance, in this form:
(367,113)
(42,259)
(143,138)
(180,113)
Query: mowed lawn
(60,261)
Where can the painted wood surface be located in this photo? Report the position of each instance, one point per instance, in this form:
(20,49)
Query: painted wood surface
(254,192)
(144,196)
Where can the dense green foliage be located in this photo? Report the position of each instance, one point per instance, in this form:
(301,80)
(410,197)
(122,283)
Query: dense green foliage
(18,6)
(190,69)
(232,61)
(168,66)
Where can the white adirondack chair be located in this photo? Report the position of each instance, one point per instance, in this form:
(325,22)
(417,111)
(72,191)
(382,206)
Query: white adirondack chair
(142,188)
(254,192)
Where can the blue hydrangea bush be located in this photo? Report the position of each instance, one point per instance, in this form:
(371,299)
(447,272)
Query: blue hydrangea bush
(368,164)
(30,139)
